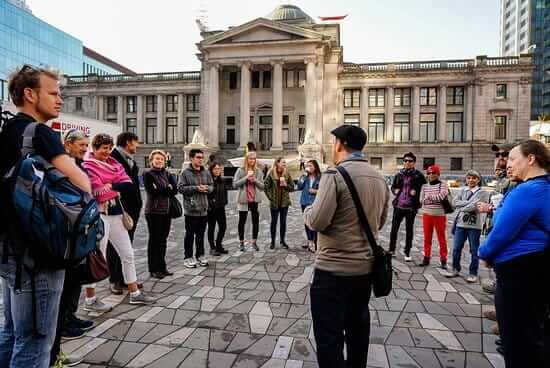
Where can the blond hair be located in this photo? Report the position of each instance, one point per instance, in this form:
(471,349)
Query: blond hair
(157,152)
(245,161)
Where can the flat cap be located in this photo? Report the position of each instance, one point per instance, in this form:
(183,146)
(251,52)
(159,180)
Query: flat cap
(351,136)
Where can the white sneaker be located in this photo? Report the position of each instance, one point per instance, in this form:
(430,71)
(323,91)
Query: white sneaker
(408,259)
(471,279)
(451,274)
(97,306)
(189,262)
(202,261)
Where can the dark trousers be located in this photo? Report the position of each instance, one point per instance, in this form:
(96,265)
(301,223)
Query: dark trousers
(216,216)
(281,212)
(159,228)
(311,234)
(253,208)
(113,260)
(340,305)
(521,301)
(195,226)
(67,308)
(398,216)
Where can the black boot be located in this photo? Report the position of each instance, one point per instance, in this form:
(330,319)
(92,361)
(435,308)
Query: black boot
(425,262)
(284,245)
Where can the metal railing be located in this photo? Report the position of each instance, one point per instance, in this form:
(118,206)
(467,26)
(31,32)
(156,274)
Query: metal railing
(147,77)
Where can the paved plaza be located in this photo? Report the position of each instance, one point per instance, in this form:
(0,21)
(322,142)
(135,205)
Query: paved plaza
(251,309)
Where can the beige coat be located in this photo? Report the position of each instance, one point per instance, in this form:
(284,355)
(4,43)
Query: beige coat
(343,247)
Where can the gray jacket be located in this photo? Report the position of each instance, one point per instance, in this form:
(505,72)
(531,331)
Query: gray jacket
(467,216)
(239,182)
(195,203)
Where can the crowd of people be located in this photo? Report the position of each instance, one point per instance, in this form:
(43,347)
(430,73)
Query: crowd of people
(515,218)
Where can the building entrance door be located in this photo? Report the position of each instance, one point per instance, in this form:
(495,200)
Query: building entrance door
(266,135)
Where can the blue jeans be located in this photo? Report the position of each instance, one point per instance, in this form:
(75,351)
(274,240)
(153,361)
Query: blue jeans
(472,235)
(20,347)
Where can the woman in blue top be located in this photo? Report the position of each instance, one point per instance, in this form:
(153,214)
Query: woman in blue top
(518,248)
(309,185)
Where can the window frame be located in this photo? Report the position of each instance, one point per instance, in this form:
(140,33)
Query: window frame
(451,125)
(401,124)
(501,91)
(453,96)
(112,107)
(171,103)
(133,104)
(377,97)
(378,127)
(151,103)
(399,94)
(78,103)
(171,128)
(192,102)
(501,126)
(427,124)
(430,98)
(352,97)
(150,128)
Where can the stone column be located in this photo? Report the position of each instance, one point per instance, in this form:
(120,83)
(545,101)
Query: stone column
(120,112)
(415,114)
(469,113)
(364,118)
(100,108)
(389,115)
(181,119)
(277,127)
(441,129)
(213,106)
(310,95)
(244,128)
(140,122)
(161,124)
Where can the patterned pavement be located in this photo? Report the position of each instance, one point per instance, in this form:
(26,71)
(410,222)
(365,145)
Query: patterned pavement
(251,309)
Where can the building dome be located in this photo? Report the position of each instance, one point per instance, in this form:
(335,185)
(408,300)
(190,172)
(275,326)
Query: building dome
(289,14)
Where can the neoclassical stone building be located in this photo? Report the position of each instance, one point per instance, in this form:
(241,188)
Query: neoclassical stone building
(278,79)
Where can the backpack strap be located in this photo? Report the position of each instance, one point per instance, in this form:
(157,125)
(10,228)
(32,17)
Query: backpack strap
(28,136)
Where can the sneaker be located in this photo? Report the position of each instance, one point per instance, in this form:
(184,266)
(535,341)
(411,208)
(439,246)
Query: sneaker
(471,279)
(141,299)
(97,306)
(488,285)
(443,265)
(241,247)
(189,263)
(425,262)
(202,261)
(167,273)
(392,252)
(255,246)
(272,246)
(71,333)
(451,274)
(408,258)
(284,245)
(490,314)
(214,252)
(500,350)
(158,275)
(498,342)
(116,289)
(75,322)
(222,250)
(69,360)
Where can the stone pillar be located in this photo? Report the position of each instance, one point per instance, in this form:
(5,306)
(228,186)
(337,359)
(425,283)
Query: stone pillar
(364,118)
(161,124)
(181,119)
(277,129)
(415,114)
(140,119)
(310,95)
(389,115)
(441,129)
(120,112)
(244,128)
(100,108)
(469,113)
(213,106)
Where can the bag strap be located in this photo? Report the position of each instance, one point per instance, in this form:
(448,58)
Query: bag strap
(360,211)
(28,136)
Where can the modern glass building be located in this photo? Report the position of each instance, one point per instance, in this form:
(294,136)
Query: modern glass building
(26,39)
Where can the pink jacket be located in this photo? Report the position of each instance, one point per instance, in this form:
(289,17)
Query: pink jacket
(102,173)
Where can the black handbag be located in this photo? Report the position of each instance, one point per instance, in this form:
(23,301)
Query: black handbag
(382,274)
(174,207)
(446,203)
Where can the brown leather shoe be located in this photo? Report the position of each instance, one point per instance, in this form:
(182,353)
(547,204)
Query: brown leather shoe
(495,330)
(490,314)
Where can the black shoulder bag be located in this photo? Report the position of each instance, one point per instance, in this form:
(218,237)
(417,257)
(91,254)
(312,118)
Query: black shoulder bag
(382,274)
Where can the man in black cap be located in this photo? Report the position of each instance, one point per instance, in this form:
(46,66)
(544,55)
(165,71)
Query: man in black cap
(342,281)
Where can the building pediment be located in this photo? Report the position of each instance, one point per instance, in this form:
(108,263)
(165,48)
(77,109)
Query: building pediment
(261,30)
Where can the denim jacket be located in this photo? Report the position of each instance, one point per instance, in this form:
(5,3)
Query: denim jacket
(304,184)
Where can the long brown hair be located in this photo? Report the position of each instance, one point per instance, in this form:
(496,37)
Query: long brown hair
(537,149)
(316,166)
(274,172)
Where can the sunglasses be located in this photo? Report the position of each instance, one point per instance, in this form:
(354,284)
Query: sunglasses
(502,154)
(431,173)
(408,160)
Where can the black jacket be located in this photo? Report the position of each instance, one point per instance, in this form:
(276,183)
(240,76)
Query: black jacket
(158,191)
(131,199)
(218,197)
(417,182)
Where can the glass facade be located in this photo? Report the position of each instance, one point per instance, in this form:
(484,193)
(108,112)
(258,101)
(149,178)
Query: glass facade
(540,35)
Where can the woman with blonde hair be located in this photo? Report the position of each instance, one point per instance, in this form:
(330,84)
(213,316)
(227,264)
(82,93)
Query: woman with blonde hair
(249,181)
(278,185)
(161,187)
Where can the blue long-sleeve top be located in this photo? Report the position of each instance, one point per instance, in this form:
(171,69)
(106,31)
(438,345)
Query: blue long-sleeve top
(521,223)
(304,184)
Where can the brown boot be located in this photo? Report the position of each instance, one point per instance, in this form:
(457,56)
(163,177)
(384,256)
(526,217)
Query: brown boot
(495,330)
(490,314)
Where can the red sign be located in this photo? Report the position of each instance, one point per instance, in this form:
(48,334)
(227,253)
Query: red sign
(61,127)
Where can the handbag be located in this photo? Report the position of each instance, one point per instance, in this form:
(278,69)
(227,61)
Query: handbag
(446,203)
(174,207)
(127,220)
(93,269)
(382,274)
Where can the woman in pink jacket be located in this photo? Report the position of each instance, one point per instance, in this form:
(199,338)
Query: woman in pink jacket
(108,179)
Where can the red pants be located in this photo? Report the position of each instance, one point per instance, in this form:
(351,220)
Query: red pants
(440,224)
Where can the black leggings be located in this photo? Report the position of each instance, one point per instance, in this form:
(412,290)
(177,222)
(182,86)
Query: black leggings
(216,216)
(252,207)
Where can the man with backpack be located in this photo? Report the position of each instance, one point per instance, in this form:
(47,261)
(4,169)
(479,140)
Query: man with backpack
(30,308)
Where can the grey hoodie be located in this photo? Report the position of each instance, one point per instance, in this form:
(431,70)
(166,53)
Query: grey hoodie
(467,216)
(195,203)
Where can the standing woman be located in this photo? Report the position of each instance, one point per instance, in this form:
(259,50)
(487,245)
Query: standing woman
(309,185)
(217,200)
(108,179)
(433,215)
(249,181)
(278,185)
(518,247)
(161,188)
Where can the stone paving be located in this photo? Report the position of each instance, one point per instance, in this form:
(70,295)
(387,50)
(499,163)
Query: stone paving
(251,309)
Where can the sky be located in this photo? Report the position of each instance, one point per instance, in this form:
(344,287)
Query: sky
(161,35)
